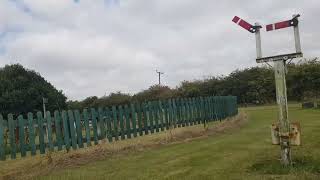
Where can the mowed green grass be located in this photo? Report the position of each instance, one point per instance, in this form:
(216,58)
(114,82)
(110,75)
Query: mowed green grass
(244,153)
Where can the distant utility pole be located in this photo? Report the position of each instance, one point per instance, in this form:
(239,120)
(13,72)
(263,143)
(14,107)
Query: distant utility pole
(159,74)
(280,61)
(44,102)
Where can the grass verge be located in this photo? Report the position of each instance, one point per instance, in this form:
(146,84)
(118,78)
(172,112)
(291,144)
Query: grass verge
(32,167)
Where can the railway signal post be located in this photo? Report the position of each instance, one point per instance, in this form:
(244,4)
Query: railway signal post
(284,127)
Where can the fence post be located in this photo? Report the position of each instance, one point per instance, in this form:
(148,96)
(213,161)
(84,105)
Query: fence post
(109,126)
(115,123)
(166,114)
(86,124)
(66,133)
(41,133)
(156,114)
(58,129)
(161,116)
(188,111)
(21,135)
(151,117)
(49,133)
(101,124)
(122,130)
(78,128)
(94,125)
(127,116)
(2,145)
(145,118)
(72,129)
(139,112)
(31,134)
(174,119)
(134,119)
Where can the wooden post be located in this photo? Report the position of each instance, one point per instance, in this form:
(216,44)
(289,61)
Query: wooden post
(86,124)
(115,123)
(57,120)
(66,133)
(72,129)
(284,125)
(121,119)
(94,116)
(108,114)
(49,127)
(41,133)
(79,128)
(2,143)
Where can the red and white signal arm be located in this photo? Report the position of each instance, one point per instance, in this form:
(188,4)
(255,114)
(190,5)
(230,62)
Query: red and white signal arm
(283,24)
(244,24)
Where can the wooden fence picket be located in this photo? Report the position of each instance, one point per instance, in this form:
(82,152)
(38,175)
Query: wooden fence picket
(151,117)
(134,119)
(140,120)
(21,125)
(2,143)
(161,116)
(78,128)
(145,118)
(31,131)
(41,132)
(109,126)
(66,132)
(72,129)
(175,113)
(121,121)
(128,123)
(87,126)
(49,133)
(115,123)
(101,124)
(156,111)
(165,114)
(188,120)
(170,114)
(94,125)
(57,120)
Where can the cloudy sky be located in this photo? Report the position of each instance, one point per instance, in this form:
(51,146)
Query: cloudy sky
(94,47)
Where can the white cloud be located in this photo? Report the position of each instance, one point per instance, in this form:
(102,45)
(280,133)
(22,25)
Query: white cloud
(97,47)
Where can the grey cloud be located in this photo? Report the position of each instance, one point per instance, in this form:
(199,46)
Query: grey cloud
(88,48)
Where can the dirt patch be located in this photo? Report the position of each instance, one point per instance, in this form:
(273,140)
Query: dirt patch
(31,167)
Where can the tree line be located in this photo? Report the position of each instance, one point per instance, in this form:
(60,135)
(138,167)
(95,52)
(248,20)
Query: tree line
(253,85)
(22,89)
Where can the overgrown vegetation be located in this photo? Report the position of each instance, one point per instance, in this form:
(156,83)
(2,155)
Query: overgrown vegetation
(252,86)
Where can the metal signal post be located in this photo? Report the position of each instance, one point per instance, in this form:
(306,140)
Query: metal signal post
(284,126)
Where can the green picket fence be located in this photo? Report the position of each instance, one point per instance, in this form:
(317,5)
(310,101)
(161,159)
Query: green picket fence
(74,129)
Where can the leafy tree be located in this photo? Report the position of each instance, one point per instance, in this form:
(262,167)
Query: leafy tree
(22,91)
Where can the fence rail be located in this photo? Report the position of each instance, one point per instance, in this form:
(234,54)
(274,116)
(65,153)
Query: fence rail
(74,129)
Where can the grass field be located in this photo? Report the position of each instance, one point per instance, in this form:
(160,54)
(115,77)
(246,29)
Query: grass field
(241,153)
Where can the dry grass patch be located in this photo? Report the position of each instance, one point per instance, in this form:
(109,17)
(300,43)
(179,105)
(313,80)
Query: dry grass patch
(30,167)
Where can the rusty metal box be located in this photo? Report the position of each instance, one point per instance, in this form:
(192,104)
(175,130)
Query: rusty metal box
(295,133)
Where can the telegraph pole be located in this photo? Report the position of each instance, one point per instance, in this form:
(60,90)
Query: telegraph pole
(284,128)
(159,74)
